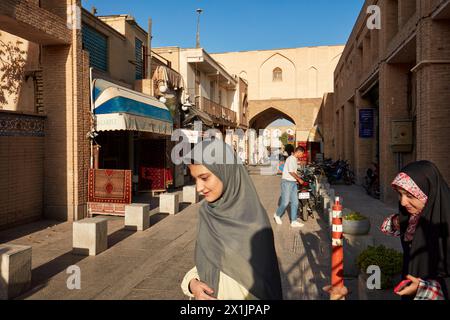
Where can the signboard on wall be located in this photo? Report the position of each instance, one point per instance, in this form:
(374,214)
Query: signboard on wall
(366,123)
(291,139)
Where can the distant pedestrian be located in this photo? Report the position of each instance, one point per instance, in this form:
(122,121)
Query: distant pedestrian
(423,226)
(235,256)
(289,188)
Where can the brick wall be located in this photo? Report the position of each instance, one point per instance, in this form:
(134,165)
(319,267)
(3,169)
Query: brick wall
(326,111)
(59,173)
(21,172)
(410,41)
(25,19)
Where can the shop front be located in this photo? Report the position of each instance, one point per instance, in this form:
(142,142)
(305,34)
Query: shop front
(132,134)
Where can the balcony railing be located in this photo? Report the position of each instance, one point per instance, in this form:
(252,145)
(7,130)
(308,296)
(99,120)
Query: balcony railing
(221,114)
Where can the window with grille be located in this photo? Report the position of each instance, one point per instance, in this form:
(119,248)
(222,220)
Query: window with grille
(96,44)
(277,74)
(139,57)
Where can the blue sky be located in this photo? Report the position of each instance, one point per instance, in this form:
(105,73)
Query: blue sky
(238,25)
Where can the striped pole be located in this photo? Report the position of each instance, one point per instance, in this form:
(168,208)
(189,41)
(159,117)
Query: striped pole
(337,255)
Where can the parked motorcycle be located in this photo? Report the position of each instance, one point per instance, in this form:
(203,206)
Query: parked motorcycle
(340,171)
(372,182)
(306,194)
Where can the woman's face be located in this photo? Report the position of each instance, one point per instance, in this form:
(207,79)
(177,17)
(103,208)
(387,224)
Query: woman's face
(207,183)
(412,204)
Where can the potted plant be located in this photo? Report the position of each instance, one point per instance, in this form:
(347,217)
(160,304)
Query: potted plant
(390,263)
(355,223)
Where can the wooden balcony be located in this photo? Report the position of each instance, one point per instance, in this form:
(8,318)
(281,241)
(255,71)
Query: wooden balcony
(220,114)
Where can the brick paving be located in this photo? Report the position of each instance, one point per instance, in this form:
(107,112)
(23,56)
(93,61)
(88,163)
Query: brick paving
(152,263)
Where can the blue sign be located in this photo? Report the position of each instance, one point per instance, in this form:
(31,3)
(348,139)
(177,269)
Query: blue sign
(366,123)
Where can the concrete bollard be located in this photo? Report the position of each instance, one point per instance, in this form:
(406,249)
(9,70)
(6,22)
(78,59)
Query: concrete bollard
(90,236)
(169,203)
(190,194)
(137,216)
(326,205)
(15,270)
(332,193)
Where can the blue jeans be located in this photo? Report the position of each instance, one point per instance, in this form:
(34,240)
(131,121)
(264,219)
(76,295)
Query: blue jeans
(288,195)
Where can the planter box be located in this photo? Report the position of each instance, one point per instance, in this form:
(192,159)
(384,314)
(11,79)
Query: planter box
(356,227)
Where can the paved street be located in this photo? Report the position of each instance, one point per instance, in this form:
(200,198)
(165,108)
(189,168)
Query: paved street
(152,263)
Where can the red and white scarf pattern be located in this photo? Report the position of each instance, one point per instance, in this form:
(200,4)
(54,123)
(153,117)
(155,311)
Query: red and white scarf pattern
(402,180)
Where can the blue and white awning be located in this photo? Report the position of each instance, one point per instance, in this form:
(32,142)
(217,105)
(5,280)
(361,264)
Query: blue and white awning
(120,108)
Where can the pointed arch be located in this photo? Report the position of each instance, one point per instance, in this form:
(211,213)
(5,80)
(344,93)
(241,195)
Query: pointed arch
(275,55)
(269,84)
(266,117)
(337,56)
(243,74)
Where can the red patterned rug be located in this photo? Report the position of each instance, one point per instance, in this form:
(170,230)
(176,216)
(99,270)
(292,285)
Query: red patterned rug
(151,178)
(110,186)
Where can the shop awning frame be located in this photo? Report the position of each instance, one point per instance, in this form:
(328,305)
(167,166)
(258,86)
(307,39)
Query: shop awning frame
(120,108)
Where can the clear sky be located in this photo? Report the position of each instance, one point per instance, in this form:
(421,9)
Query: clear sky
(238,25)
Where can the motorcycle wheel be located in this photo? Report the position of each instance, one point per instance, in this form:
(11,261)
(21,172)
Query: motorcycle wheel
(347,179)
(303,212)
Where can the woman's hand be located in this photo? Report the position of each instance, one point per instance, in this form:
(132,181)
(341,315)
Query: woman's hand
(410,290)
(200,290)
(337,293)
(396,222)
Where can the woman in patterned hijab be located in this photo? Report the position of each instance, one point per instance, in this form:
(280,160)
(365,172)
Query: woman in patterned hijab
(423,227)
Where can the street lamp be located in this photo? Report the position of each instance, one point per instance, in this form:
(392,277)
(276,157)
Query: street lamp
(199,12)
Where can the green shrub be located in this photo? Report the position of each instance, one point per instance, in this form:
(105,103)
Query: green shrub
(389,260)
(354,216)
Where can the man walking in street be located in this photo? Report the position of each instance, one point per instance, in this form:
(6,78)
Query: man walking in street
(289,189)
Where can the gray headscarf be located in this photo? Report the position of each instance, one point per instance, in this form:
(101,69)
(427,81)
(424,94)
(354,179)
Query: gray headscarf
(234,233)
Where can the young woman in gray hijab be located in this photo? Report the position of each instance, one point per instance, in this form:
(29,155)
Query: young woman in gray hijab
(235,256)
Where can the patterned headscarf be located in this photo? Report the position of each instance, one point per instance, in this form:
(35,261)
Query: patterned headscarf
(405,182)
(427,255)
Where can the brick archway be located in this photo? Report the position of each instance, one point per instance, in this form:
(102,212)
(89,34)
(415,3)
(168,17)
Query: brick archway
(266,117)
(302,112)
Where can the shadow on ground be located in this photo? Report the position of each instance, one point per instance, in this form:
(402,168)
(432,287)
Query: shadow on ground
(25,230)
(42,274)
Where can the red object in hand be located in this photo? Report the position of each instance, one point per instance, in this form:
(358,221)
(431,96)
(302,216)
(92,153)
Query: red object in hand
(402,285)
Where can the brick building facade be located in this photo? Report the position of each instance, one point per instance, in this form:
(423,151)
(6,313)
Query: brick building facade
(391,91)
(44,149)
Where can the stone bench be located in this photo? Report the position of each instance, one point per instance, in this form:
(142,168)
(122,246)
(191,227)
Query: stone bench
(169,203)
(190,194)
(90,236)
(137,216)
(15,270)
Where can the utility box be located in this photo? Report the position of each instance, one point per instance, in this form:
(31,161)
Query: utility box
(402,136)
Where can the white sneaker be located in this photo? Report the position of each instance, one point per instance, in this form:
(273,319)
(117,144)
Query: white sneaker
(296,224)
(277,219)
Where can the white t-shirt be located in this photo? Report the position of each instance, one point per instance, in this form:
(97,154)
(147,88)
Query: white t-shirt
(289,166)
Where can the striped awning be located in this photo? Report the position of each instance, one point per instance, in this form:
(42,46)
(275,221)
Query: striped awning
(120,108)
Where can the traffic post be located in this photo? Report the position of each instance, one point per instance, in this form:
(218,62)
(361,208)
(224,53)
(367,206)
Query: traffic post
(337,255)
